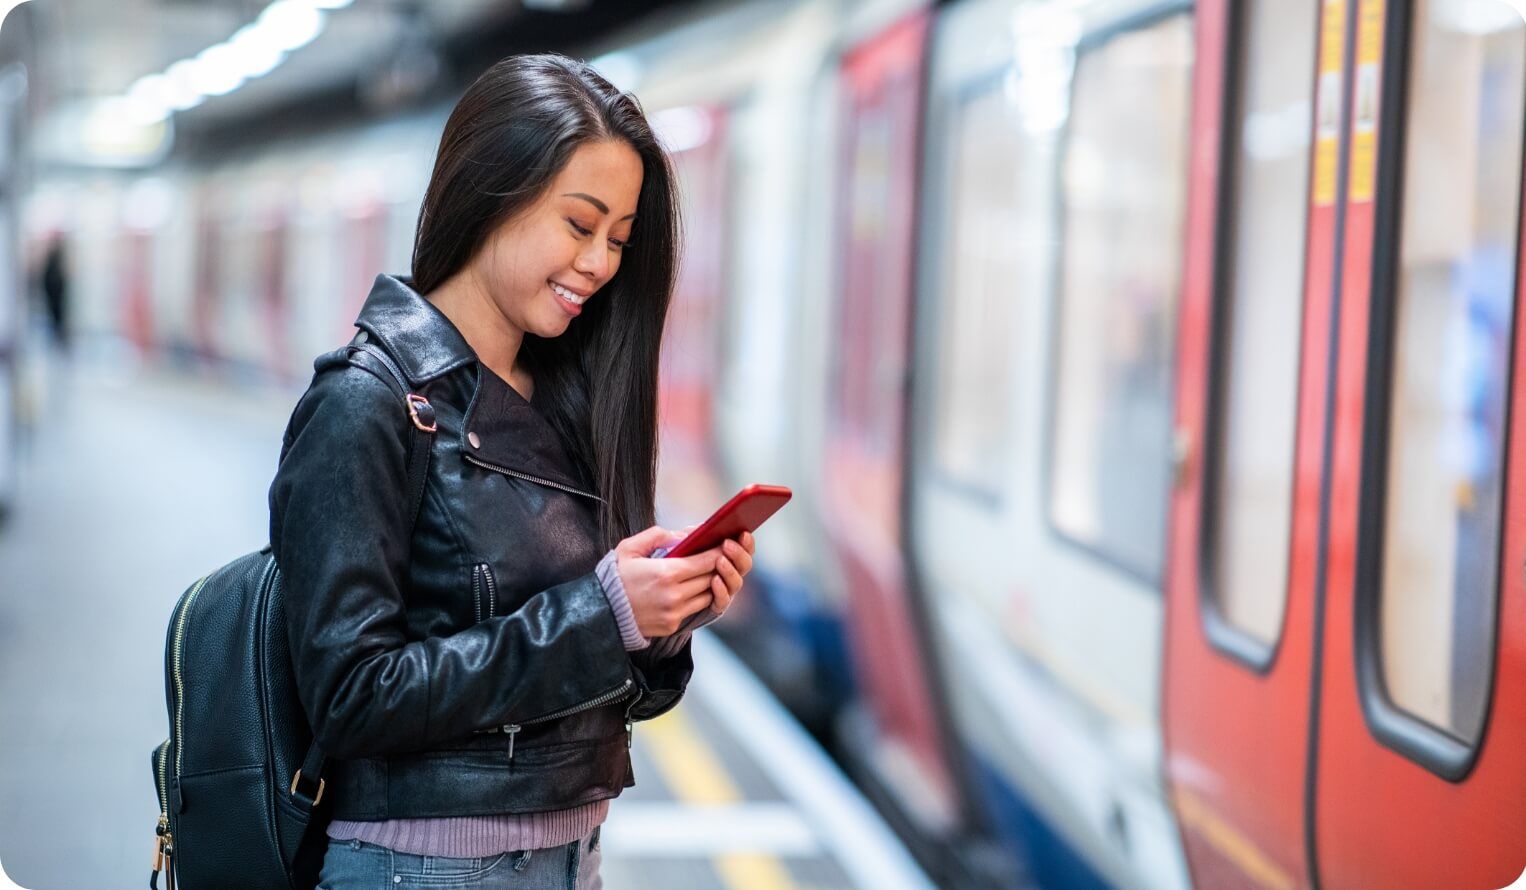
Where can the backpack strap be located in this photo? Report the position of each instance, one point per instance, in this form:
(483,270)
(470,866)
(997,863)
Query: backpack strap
(420,443)
(420,412)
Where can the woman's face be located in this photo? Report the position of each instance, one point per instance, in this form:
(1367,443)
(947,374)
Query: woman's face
(571,238)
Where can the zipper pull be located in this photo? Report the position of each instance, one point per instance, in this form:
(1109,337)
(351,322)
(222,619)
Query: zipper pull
(512,730)
(630,733)
(153,878)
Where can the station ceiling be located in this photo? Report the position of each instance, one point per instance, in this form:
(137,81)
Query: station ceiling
(370,56)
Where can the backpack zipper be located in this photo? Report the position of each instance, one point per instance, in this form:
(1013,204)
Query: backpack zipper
(512,729)
(164,844)
(528,478)
(177,671)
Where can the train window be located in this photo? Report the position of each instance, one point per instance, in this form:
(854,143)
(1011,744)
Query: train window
(991,229)
(1259,315)
(1123,184)
(1447,358)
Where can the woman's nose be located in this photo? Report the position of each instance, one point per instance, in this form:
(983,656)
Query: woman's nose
(593,261)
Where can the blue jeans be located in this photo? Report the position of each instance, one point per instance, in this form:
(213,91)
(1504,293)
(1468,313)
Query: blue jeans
(356,865)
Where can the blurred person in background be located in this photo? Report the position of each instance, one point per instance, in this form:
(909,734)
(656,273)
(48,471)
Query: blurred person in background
(472,670)
(53,285)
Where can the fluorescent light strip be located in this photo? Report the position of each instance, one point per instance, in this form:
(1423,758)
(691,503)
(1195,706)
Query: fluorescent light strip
(254,51)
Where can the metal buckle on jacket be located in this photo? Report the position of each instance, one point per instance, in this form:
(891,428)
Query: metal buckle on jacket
(421,412)
(297,778)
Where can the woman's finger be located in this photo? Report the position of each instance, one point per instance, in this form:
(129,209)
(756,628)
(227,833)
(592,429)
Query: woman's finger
(729,574)
(749,542)
(702,563)
(738,556)
(720,589)
(692,587)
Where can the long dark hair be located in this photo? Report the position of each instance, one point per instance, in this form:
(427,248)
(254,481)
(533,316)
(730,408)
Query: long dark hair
(506,140)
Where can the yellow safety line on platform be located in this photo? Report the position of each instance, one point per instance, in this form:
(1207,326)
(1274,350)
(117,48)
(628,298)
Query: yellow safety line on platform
(697,777)
(1252,861)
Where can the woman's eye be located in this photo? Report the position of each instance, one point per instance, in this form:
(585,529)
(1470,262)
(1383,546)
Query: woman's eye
(619,245)
(580,229)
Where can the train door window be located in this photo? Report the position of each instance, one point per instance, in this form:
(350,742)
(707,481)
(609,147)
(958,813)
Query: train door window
(1123,188)
(1444,342)
(1259,311)
(992,228)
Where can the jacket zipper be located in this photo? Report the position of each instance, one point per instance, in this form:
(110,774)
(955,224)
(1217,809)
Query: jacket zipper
(165,841)
(630,725)
(512,729)
(528,478)
(482,579)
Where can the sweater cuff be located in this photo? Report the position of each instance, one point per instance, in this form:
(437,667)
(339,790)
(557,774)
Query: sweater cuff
(668,646)
(608,573)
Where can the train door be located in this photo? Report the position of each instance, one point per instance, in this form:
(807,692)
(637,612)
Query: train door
(1249,434)
(1048,287)
(863,454)
(1420,774)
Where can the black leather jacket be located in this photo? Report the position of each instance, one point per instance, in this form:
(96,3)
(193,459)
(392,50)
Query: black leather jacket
(473,666)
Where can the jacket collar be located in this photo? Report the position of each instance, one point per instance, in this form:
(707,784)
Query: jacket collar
(511,434)
(416,334)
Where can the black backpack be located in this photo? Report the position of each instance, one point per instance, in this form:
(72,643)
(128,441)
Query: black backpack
(240,779)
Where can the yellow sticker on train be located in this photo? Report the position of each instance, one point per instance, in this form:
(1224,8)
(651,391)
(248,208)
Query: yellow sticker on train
(1327,124)
(1364,125)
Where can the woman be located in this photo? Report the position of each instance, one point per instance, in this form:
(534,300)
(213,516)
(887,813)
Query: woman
(472,669)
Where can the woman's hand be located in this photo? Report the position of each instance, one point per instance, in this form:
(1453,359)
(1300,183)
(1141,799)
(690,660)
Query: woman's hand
(734,562)
(665,591)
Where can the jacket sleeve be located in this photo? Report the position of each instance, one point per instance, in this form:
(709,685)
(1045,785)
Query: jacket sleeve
(341,536)
(662,679)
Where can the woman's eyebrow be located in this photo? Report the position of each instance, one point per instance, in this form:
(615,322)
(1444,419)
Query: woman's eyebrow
(603,208)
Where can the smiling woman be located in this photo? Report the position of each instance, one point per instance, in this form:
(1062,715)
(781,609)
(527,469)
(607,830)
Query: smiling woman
(508,614)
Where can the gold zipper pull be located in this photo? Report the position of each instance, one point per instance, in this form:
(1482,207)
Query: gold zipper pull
(159,832)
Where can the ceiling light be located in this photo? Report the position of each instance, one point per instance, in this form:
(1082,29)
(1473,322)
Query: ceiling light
(217,70)
(291,23)
(257,53)
(181,78)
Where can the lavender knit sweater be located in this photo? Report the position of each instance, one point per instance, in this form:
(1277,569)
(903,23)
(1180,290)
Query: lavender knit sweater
(473,836)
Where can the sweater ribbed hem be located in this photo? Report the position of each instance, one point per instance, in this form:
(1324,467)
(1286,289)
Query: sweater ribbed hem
(671,645)
(608,572)
(463,837)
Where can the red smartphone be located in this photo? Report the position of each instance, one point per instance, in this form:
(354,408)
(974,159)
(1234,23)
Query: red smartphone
(746,510)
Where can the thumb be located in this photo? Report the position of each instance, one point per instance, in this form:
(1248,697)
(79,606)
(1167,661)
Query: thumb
(643,542)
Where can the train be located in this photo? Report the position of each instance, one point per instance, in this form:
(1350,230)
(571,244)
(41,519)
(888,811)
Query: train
(1143,369)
